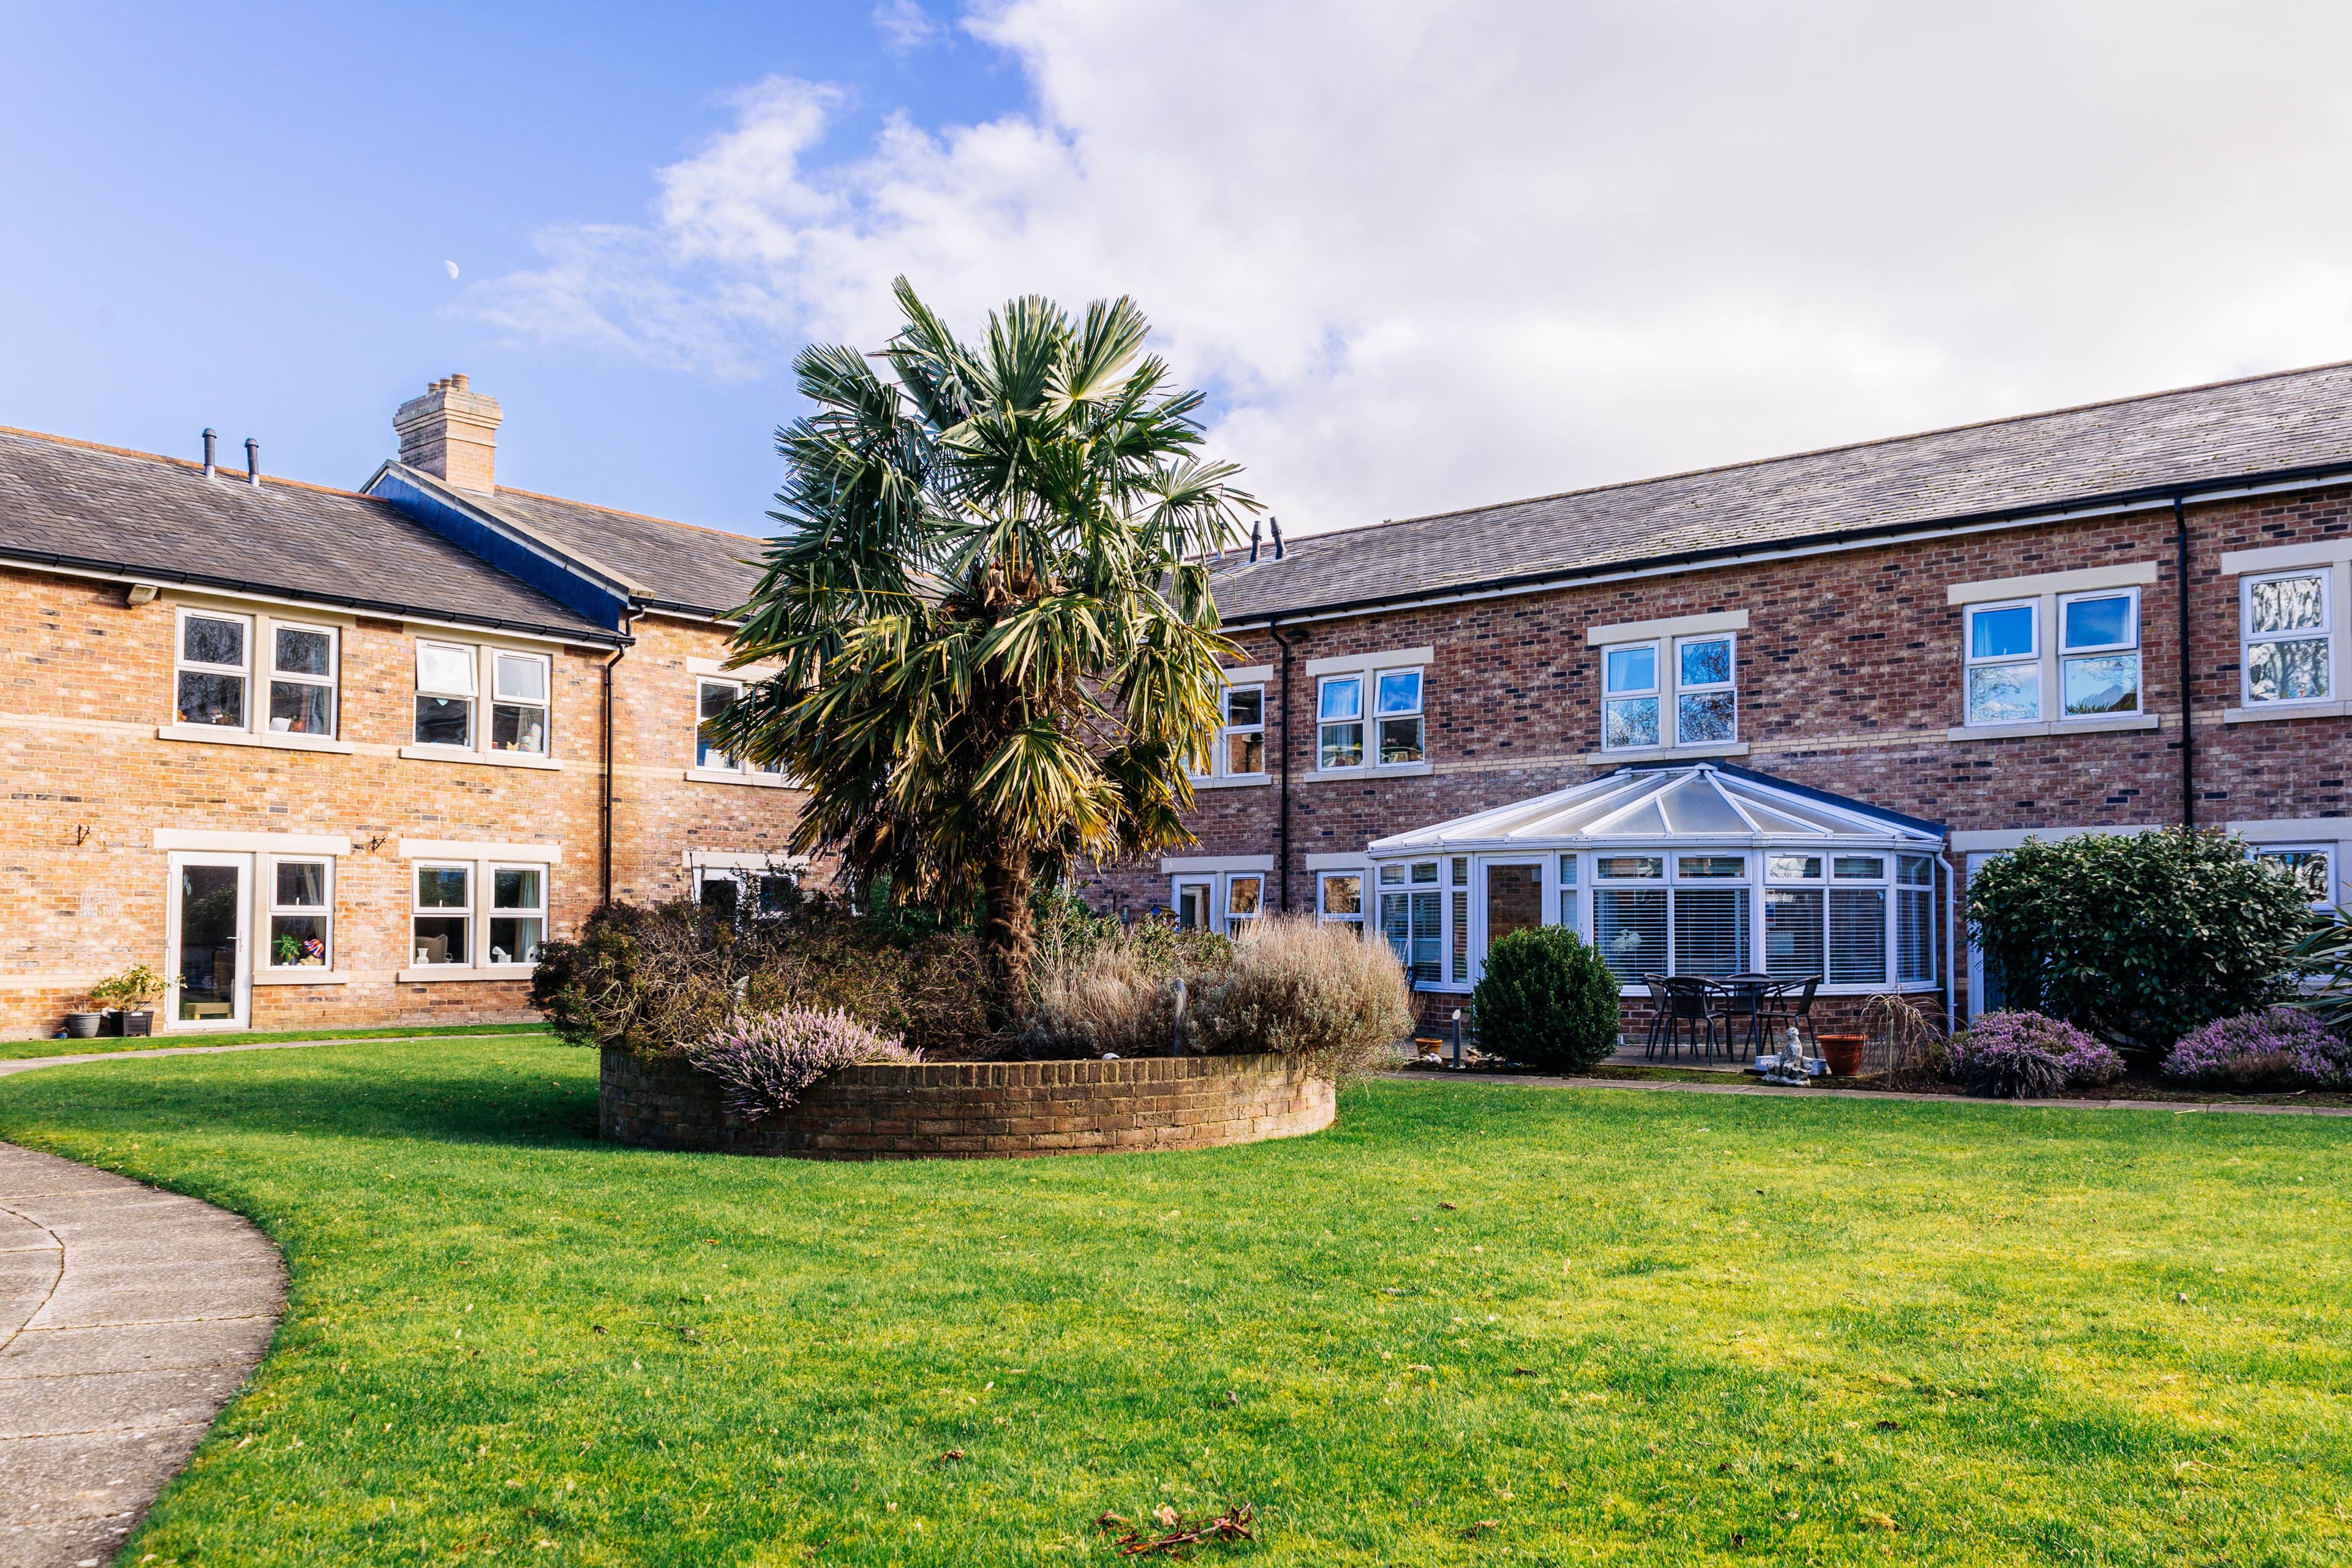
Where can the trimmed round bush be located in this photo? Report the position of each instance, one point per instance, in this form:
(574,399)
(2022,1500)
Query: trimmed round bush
(764,1063)
(1547,1000)
(2275,1045)
(1317,992)
(2025,1056)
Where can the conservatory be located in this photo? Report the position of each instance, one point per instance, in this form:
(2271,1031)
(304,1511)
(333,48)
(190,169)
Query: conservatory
(1699,870)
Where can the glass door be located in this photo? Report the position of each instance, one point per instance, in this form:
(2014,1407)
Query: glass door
(211,973)
(1514,901)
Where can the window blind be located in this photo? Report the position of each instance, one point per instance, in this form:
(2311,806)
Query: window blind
(1792,932)
(1857,936)
(1629,926)
(1710,931)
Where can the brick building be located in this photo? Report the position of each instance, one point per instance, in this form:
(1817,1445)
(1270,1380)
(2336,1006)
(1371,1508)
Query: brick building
(346,757)
(1863,670)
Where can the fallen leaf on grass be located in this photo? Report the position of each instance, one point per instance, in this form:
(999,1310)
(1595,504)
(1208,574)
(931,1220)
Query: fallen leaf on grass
(950,1457)
(1523,1372)
(1234,1524)
(1416,1366)
(1878,1520)
(1449,1206)
(1471,1533)
(1166,1514)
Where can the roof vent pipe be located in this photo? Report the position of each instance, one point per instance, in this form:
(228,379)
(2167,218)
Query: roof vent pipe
(1254,537)
(1274,523)
(211,441)
(253,462)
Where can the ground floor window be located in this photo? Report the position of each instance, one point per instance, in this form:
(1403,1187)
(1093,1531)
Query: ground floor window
(1411,919)
(518,912)
(301,913)
(1245,901)
(1339,899)
(441,914)
(741,892)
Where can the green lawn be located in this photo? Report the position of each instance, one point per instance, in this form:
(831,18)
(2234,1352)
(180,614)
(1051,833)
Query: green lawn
(1658,1329)
(20,1050)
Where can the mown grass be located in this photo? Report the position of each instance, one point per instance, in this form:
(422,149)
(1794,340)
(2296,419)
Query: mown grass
(1654,1328)
(21,1050)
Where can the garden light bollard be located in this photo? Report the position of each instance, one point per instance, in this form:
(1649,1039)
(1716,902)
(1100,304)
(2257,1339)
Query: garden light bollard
(1457,1039)
(1176,1040)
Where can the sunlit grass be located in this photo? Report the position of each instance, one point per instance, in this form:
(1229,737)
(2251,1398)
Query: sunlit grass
(1655,1329)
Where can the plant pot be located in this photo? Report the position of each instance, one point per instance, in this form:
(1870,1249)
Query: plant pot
(1843,1053)
(82,1025)
(138,1026)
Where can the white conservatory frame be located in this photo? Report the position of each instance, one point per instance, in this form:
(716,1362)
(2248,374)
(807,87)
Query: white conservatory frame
(1701,811)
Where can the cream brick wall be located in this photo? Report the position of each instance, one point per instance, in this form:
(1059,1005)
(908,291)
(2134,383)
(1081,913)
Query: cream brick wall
(85,682)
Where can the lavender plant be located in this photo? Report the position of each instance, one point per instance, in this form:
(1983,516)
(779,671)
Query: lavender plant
(2275,1045)
(2023,1056)
(766,1061)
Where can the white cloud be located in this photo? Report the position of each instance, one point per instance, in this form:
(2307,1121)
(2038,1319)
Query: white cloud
(1428,255)
(904,25)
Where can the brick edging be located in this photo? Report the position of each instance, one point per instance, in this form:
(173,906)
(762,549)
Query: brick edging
(974,1110)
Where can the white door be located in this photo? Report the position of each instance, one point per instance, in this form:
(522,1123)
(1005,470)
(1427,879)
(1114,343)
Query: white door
(1193,911)
(206,939)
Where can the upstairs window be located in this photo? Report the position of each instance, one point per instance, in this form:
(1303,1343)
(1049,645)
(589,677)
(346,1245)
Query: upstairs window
(2004,663)
(2288,648)
(301,679)
(518,684)
(1705,709)
(1398,711)
(1238,750)
(2098,648)
(444,695)
(1629,708)
(1678,692)
(713,700)
(1340,721)
(213,668)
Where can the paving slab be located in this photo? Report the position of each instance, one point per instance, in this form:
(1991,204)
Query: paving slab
(128,1318)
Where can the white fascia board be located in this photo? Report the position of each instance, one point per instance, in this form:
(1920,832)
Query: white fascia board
(1672,626)
(2135,573)
(266,843)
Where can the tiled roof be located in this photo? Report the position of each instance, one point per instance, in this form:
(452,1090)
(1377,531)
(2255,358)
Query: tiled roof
(70,503)
(676,565)
(2263,425)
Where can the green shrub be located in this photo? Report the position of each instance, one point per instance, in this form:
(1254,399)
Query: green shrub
(2137,938)
(1547,1000)
(1321,993)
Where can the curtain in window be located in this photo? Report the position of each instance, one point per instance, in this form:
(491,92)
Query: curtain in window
(1629,926)
(1857,936)
(1710,931)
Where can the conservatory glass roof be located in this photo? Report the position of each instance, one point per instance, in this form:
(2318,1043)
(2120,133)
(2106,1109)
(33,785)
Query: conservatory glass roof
(1701,803)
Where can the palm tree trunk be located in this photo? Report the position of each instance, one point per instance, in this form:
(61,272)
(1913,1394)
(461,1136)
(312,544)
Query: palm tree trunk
(1007,937)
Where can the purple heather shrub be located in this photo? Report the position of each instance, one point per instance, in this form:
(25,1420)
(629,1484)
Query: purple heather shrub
(2022,1056)
(2274,1046)
(765,1062)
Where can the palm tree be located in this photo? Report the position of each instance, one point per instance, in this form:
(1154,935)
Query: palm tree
(990,607)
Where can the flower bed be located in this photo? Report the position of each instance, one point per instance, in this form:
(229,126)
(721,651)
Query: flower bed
(883,1110)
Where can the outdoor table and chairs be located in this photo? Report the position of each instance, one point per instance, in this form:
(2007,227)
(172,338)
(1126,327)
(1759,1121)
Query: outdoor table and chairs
(1721,1016)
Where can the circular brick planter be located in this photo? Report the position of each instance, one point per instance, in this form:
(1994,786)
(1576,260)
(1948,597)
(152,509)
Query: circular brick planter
(974,1110)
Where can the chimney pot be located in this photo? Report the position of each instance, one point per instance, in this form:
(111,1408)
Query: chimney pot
(1255,527)
(210,440)
(452,433)
(253,462)
(1274,524)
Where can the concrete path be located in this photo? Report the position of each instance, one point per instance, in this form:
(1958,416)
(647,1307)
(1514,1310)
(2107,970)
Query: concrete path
(128,1318)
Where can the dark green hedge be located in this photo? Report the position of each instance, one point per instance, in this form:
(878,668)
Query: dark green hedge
(1547,1000)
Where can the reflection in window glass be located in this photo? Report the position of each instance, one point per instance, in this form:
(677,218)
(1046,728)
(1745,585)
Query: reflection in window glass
(2307,868)
(1623,867)
(2288,648)
(1340,715)
(1793,868)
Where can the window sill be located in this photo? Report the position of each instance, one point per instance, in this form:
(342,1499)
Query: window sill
(1390,771)
(2053,726)
(2269,710)
(727,776)
(1664,753)
(479,759)
(433,972)
(301,977)
(1232,780)
(274,740)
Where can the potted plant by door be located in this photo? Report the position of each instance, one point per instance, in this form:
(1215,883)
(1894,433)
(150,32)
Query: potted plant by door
(83,1026)
(130,996)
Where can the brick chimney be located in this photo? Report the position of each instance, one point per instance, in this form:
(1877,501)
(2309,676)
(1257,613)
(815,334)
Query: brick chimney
(451,433)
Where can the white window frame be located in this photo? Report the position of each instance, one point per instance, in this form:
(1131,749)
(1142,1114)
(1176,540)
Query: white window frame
(1380,718)
(1653,692)
(1220,758)
(271,909)
(2248,638)
(472,695)
(545,706)
(182,665)
(2069,654)
(1236,921)
(1323,910)
(2326,851)
(1358,678)
(2032,659)
(709,759)
(493,911)
(1728,686)
(270,627)
(418,910)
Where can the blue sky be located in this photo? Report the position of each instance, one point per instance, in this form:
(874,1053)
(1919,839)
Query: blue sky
(239,217)
(1423,254)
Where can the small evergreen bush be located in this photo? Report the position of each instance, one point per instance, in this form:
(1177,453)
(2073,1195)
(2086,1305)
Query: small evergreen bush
(1547,1000)
(2025,1056)
(766,1062)
(1321,993)
(2275,1046)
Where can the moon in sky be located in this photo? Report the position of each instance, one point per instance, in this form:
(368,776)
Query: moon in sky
(453,269)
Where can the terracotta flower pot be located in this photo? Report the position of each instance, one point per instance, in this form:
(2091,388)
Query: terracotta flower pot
(1843,1053)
